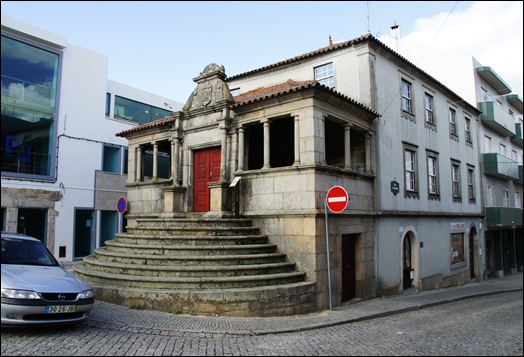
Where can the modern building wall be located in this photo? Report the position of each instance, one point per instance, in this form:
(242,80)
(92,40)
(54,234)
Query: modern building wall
(69,205)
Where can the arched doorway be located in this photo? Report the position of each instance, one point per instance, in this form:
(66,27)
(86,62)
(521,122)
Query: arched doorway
(407,266)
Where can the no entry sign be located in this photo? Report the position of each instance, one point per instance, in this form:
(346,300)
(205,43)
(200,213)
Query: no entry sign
(337,199)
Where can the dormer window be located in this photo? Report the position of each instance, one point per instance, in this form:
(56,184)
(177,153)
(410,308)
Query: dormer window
(324,75)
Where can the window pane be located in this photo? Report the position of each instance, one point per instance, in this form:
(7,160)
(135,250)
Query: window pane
(324,75)
(135,111)
(111,159)
(29,85)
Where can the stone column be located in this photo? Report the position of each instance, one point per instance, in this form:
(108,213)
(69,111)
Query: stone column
(297,141)
(368,153)
(223,153)
(347,146)
(139,164)
(241,148)
(267,157)
(175,153)
(155,160)
(322,134)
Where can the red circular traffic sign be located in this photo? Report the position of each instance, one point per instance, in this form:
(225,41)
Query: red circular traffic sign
(337,199)
(121,205)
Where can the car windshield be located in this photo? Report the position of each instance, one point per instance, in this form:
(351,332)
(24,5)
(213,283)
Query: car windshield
(27,252)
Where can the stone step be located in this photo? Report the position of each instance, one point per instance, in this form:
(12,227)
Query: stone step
(191,239)
(189,270)
(196,231)
(189,250)
(178,260)
(174,282)
(261,301)
(192,222)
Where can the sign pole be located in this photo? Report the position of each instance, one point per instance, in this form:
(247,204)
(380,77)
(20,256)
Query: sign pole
(327,254)
(336,200)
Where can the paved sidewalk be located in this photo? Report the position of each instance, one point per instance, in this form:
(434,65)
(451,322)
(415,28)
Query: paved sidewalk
(140,320)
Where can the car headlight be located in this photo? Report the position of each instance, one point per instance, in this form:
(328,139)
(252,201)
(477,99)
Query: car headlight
(86,294)
(20,294)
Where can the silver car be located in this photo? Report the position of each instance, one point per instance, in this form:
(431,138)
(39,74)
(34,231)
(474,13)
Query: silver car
(35,287)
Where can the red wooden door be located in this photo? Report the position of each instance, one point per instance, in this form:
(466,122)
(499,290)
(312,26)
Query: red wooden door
(206,169)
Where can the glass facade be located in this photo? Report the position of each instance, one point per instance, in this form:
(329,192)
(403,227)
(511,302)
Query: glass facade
(30,77)
(138,112)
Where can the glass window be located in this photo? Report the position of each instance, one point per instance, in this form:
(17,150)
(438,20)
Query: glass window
(410,171)
(471,184)
(457,248)
(505,198)
(491,196)
(432,173)
(455,179)
(428,105)
(502,149)
(406,96)
(487,144)
(452,121)
(138,112)
(467,130)
(325,75)
(29,91)
(111,160)
(108,104)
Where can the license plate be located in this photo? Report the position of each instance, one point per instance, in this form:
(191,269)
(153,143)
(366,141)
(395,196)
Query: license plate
(59,309)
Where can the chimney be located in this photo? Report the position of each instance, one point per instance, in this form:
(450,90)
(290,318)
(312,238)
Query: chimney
(330,42)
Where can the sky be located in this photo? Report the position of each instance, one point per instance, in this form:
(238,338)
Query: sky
(160,46)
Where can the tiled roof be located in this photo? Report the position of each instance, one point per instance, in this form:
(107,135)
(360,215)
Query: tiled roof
(262,93)
(320,51)
(265,92)
(153,124)
(341,45)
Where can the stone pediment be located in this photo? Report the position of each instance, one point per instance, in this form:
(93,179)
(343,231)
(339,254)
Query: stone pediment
(211,90)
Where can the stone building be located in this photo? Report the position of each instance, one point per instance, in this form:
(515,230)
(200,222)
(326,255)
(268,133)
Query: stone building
(267,145)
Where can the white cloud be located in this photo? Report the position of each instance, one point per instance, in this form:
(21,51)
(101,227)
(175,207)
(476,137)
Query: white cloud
(489,31)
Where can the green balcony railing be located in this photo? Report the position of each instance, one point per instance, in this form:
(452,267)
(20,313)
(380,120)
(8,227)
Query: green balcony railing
(500,166)
(494,116)
(503,217)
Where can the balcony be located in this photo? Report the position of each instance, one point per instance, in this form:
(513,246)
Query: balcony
(495,117)
(500,166)
(517,138)
(498,217)
(516,101)
(492,78)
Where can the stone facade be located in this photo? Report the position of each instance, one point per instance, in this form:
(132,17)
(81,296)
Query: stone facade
(15,199)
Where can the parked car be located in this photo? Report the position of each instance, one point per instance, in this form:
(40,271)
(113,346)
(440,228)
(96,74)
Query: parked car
(35,287)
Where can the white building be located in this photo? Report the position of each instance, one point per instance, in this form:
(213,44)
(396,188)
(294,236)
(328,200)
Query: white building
(63,168)
(427,199)
(500,143)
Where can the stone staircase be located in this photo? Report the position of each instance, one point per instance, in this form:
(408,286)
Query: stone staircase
(197,266)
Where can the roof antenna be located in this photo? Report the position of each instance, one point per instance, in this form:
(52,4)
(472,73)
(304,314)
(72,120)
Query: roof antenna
(330,42)
(367,16)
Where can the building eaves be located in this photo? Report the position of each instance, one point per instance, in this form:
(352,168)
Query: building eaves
(153,124)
